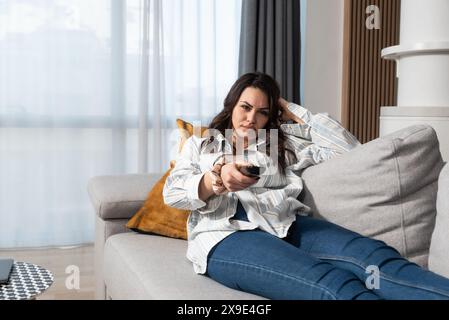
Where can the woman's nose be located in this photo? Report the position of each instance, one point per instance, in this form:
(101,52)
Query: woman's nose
(252,116)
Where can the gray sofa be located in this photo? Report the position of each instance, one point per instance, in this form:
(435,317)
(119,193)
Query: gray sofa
(386,189)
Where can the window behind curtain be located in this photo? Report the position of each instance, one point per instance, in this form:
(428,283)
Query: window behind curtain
(69,79)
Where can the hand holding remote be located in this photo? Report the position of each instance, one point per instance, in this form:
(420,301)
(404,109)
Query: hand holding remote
(234,180)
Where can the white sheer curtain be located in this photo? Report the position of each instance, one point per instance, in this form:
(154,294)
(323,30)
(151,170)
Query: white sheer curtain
(93,88)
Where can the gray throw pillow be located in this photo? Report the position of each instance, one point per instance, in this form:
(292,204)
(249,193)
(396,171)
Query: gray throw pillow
(439,247)
(385,189)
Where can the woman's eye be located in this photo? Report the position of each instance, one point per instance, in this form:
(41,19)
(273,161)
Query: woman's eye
(265,113)
(245,107)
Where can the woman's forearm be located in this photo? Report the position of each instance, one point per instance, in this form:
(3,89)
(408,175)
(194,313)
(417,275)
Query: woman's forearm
(295,118)
(324,131)
(205,190)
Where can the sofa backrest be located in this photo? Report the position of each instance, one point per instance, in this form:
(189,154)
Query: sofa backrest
(439,247)
(384,189)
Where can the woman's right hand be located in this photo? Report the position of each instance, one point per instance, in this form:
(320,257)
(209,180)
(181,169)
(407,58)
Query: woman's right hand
(233,179)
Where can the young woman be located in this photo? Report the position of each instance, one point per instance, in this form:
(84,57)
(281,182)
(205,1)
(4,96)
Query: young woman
(252,233)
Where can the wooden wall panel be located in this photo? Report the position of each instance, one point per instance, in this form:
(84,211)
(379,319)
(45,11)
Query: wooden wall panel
(369,82)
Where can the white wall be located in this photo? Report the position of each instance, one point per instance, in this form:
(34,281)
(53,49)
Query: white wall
(324,57)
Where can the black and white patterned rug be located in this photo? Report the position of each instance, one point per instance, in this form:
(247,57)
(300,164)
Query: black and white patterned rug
(26,281)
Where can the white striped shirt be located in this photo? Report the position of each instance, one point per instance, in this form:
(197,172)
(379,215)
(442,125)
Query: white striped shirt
(271,204)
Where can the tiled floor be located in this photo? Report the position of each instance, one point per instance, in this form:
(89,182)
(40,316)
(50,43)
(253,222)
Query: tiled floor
(57,261)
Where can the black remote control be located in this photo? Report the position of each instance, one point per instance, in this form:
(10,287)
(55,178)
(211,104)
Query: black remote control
(251,171)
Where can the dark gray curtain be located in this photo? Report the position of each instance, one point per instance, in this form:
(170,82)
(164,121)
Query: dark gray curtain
(270,42)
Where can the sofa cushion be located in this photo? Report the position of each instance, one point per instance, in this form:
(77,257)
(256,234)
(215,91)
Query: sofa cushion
(384,189)
(155,267)
(439,247)
(155,217)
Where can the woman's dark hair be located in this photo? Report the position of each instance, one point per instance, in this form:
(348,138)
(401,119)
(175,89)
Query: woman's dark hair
(270,87)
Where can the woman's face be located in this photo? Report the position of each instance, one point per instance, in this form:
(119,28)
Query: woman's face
(251,112)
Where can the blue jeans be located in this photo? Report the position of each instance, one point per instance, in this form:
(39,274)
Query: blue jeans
(319,260)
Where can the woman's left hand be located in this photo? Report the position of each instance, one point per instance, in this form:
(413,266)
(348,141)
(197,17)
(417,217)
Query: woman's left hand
(287,115)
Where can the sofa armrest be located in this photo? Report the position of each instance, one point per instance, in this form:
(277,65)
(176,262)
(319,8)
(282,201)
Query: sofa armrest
(115,199)
(120,196)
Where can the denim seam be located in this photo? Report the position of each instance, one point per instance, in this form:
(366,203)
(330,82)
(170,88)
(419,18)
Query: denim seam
(279,273)
(383,275)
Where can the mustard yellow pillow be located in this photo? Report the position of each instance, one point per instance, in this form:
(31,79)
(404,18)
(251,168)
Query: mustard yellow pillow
(155,217)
